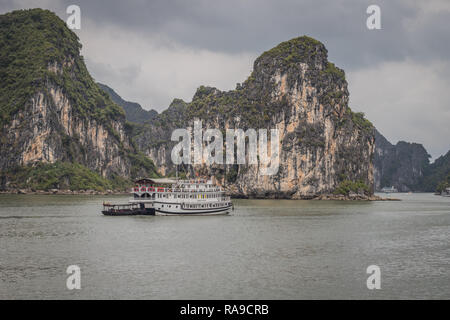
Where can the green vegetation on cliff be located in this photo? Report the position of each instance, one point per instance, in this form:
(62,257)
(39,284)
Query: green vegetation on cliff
(444,184)
(300,49)
(40,57)
(34,41)
(360,121)
(62,175)
(252,101)
(437,175)
(28,44)
(333,71)
(141,163)
(347,186)
(73,176)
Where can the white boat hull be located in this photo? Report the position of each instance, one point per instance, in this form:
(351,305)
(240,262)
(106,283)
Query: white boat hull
(164,213)
(171,209)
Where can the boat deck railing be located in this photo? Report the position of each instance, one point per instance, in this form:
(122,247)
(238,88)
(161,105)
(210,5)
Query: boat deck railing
(196,200)
(162,189)
(119,208)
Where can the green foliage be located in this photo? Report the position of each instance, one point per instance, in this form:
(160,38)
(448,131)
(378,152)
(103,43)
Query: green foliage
(437,174)
(28,45)
(300,49)
(182,175)
(333,71)
(331,97)
(173,117)
(219,176)
(38,50)
(232,174)
(63,175)
(252,104)
(444,184)
(38,54)
(360,121)
(141,166)
(346,186)
(210,104)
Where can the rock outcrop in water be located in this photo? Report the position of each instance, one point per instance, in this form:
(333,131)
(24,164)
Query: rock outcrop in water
(294,88)
(52,112)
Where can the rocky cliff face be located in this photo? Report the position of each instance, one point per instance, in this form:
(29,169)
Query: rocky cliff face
(295,89)
(49,129)
(154,136)
(402,165)
(51,109)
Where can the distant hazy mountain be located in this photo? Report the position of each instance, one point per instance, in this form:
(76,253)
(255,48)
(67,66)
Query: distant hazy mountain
(133,111)
(406,166)
(401,165)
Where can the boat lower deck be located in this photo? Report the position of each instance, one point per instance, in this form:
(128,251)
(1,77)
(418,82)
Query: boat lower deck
(129,209)
(199,209)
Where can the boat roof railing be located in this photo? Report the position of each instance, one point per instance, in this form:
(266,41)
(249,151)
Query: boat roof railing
(169,181)
(106,204)
(155,181)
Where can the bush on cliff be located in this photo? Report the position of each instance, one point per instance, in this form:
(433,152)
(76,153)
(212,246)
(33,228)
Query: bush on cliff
(62,175)
(347,186)
(444,184)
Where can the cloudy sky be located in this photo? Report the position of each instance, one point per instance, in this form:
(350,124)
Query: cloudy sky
(153,51)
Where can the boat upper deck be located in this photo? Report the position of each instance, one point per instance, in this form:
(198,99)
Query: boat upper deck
(179,186)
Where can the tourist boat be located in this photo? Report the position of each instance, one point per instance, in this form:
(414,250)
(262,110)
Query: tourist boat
(181,197)
(128,209)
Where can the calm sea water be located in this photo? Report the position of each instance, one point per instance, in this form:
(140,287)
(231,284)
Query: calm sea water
(266,249)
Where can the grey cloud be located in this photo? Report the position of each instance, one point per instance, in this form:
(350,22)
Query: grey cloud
(257,25)
(107,71)
(406,101)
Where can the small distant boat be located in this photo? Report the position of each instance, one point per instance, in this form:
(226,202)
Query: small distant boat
(389,189)
(128,209)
